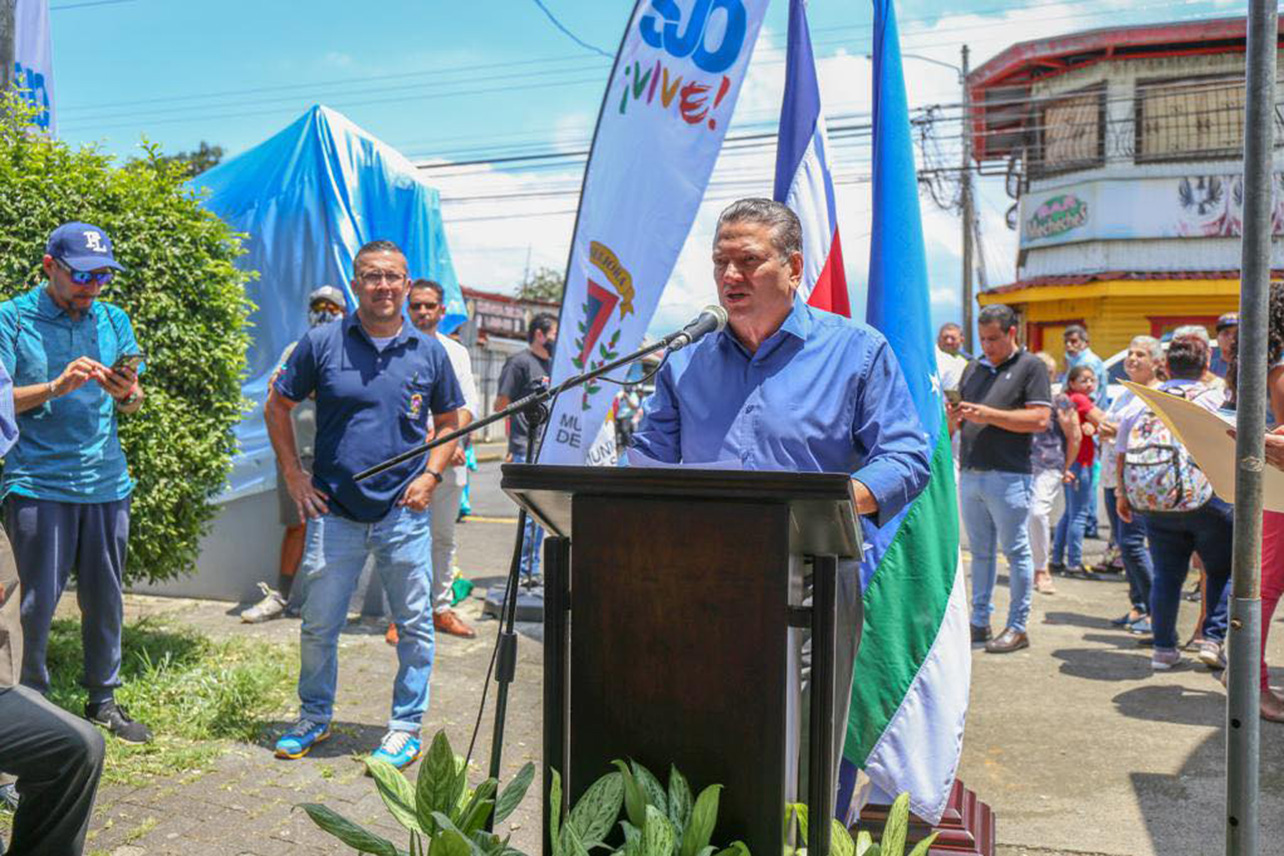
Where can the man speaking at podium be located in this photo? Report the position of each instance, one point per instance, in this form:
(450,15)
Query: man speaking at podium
(790,387)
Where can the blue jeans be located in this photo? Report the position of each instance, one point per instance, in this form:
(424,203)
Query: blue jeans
(533,540)
(1091,526)
(1173,538)
(51,540)
(1131,540)
(335,551)
(995,507)
(1073,524)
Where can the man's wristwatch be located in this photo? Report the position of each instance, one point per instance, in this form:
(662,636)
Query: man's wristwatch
(134,395)
(436,475)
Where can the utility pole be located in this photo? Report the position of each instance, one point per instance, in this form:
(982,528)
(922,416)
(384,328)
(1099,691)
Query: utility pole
(1243,723)
(969,214)
(8,36)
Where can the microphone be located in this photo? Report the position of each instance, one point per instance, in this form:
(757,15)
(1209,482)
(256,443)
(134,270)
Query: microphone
(712,319)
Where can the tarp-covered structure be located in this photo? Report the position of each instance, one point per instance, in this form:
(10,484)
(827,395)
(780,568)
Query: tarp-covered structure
(307,199)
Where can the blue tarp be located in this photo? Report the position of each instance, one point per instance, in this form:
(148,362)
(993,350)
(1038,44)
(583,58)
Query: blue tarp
(308,198)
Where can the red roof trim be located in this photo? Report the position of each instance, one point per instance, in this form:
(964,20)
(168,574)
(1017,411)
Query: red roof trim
(1107,41)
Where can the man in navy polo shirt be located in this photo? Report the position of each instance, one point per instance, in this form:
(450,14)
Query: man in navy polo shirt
(376,380)
(66,487)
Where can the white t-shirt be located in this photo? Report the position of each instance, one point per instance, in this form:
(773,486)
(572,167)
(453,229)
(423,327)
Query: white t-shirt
(463,368)
(1121,409)
(950,367)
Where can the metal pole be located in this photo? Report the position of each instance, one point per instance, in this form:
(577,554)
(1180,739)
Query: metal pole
(1245,632)
(968,214)
(7,40)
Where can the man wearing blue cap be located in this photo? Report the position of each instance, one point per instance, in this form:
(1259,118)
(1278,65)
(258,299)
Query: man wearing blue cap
(66,488)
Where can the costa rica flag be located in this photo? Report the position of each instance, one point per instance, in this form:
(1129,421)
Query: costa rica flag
(803,181)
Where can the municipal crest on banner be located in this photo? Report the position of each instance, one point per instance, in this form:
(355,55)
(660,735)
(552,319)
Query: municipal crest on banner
(596,314)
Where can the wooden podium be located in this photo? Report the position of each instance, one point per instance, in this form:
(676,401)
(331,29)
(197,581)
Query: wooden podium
(669,597)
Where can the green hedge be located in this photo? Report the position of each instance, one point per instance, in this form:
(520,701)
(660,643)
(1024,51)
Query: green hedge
(188,306)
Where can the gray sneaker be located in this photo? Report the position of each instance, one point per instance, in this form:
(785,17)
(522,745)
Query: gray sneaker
(1211,655)
(1164,659)
(271,606)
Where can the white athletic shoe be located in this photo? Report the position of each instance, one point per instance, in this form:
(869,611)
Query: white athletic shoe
(271,606)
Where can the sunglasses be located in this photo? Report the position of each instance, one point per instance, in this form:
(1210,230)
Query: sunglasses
(419,304)
(82,277)
(325,306)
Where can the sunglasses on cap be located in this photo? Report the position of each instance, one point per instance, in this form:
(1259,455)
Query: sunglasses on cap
(84,277)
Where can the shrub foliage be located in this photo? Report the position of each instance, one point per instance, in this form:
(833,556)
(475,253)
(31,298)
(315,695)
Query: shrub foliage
(187,303)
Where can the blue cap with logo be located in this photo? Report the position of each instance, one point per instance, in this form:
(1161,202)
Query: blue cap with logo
(82,247)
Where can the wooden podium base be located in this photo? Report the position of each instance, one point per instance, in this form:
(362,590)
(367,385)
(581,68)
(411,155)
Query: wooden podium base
(967,827)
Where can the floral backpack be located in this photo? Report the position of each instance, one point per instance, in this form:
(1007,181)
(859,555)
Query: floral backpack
(1159,475)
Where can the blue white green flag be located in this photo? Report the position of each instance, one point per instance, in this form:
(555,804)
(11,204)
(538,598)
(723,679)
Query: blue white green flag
(909,699)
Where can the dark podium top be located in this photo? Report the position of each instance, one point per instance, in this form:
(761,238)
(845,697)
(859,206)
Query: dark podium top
(823,521)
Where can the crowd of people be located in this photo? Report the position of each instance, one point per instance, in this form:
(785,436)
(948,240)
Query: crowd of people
(361,387)
(1030,431)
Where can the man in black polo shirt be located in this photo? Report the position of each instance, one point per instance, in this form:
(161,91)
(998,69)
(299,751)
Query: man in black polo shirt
(1005,399)
(524,373)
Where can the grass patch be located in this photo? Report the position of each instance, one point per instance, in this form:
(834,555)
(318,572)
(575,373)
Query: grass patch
(196,693)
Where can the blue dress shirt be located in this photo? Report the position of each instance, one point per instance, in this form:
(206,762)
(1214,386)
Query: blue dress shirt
(822,394)
(68,449)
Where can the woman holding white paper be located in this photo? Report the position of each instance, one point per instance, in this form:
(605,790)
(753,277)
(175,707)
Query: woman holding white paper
(1160,481)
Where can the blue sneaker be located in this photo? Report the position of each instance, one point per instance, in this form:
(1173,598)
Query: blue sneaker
(301,737)
(398,748)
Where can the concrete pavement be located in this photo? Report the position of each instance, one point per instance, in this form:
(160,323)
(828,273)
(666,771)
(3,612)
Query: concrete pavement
(1074,743)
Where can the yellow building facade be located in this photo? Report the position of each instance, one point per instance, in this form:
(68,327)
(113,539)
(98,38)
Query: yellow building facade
(1114,310)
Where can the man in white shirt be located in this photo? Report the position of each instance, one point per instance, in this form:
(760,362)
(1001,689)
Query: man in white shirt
(427,307)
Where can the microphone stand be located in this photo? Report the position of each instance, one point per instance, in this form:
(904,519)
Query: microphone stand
(535,407)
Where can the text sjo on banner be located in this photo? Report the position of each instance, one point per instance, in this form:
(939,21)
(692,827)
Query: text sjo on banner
(662,124)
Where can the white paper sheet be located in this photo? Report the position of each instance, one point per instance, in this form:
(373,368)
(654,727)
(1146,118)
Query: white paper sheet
(1205,436)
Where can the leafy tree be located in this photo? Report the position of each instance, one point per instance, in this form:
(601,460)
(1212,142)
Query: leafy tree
(544,283)
(187,303)
(195,163)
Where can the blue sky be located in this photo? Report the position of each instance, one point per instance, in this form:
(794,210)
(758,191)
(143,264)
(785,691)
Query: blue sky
(460,81)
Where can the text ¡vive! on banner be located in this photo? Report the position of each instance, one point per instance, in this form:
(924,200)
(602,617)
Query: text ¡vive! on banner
(664,29)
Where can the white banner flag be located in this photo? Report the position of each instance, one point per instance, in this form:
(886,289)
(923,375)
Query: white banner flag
(662,123)
(33,60)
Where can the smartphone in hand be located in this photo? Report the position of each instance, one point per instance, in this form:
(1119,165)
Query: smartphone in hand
(127,362)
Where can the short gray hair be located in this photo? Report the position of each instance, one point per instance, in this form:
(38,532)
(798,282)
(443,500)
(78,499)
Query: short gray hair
(1152,345)
(1076,330)
(786,230)
(1199,331)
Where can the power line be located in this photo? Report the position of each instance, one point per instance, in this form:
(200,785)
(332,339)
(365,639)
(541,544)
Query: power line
(86,3)
(73,112)
(560,26)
